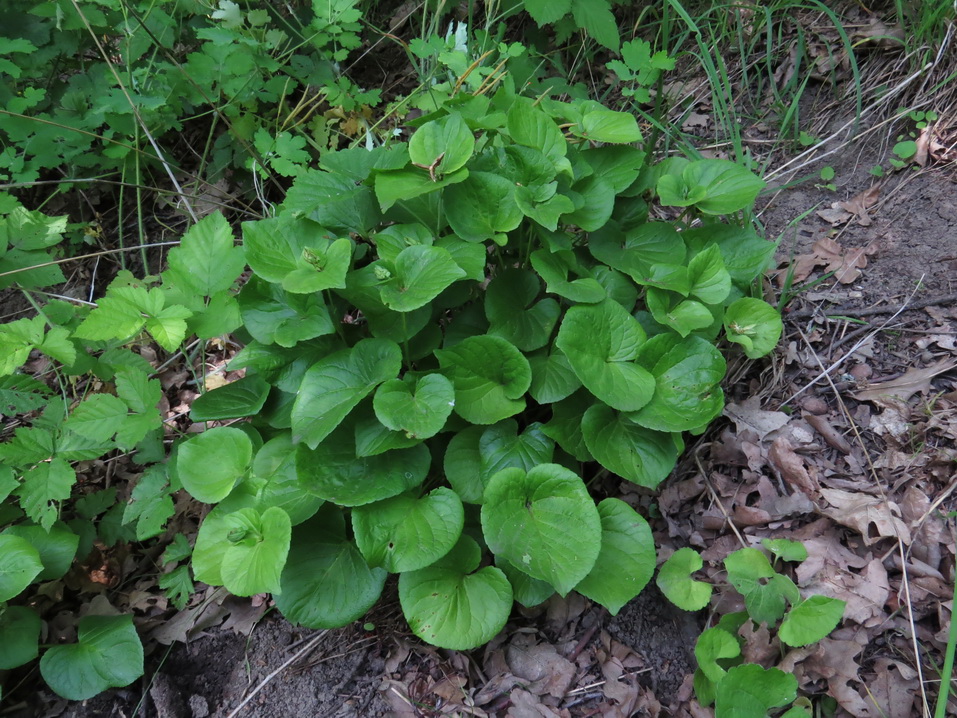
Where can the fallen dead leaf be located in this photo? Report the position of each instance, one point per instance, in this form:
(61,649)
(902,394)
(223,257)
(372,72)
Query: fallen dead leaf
(859,204)
(829,254)
(792,467)
(874,518)
(908,384)
(749,415)
(835,215)
(827,430)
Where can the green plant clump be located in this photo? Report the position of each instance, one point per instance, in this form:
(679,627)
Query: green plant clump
(445,342)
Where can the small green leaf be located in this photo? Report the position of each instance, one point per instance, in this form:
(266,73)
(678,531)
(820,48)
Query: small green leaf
(108,654)
(271,315)
(502,447)
(451,605)
(210,464)
(754,324)
(406,533)
(674,580)
(905,149)
(643,456)
(714,186)
(419,408)
(636,251)
(811,620)
(713,645)
(243,397)
(19,565)
(626,561)
(420,274)
(529,126)
(785,549)
(601,342)
(710,281)
(750,691)
(320,267)
(44,486)
(333,386)
(490,377)
(565,426)
(528,591)
(554,268)
(544,522)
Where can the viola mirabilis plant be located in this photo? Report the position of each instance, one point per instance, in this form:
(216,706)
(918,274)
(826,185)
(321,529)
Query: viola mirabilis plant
(445,341)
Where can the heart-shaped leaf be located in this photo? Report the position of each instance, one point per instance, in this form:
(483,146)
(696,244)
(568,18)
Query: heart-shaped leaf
(333,386)
(642,456)
(490,377)
(20,628)
(442,145)
(754,324)
(418,408)
(750,691)
(326,583)
(601,342)
(687,375)
(636,251)
(626,561)
(811,620)
(502,447)
(258,546)
(544,522)
(513,313)
(553,378)
(482,207)
(243,397)
(421,274)
(674,580)
(406,533)
(451,607)
(333,472)
(108,654)
(210,464)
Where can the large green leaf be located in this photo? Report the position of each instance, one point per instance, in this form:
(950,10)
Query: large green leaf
(595,206)
(710,281)
(544,522)
(463,464)
(272,315)
(390,241)
(565,426)
(334,201)
(811,620)
(514,314)
(642,456)
(601,342)
(687,375)
(57,547)
(608,126)
(207,260)
(274,246)
(502,447)
(418,276)
(108,654)
(482,207)
(210,464)
(626,561)
(333,472)
(419,407)
(19,565)
(241,398)
(750,691)
(409,183)
(451,605)
(258,545)
(553,378)
(326,583)
(746,255)
(406,533)
(20,628)
(442,145)
(490,377)
(333,386)
(528,125)
(277,482)
(714,186)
